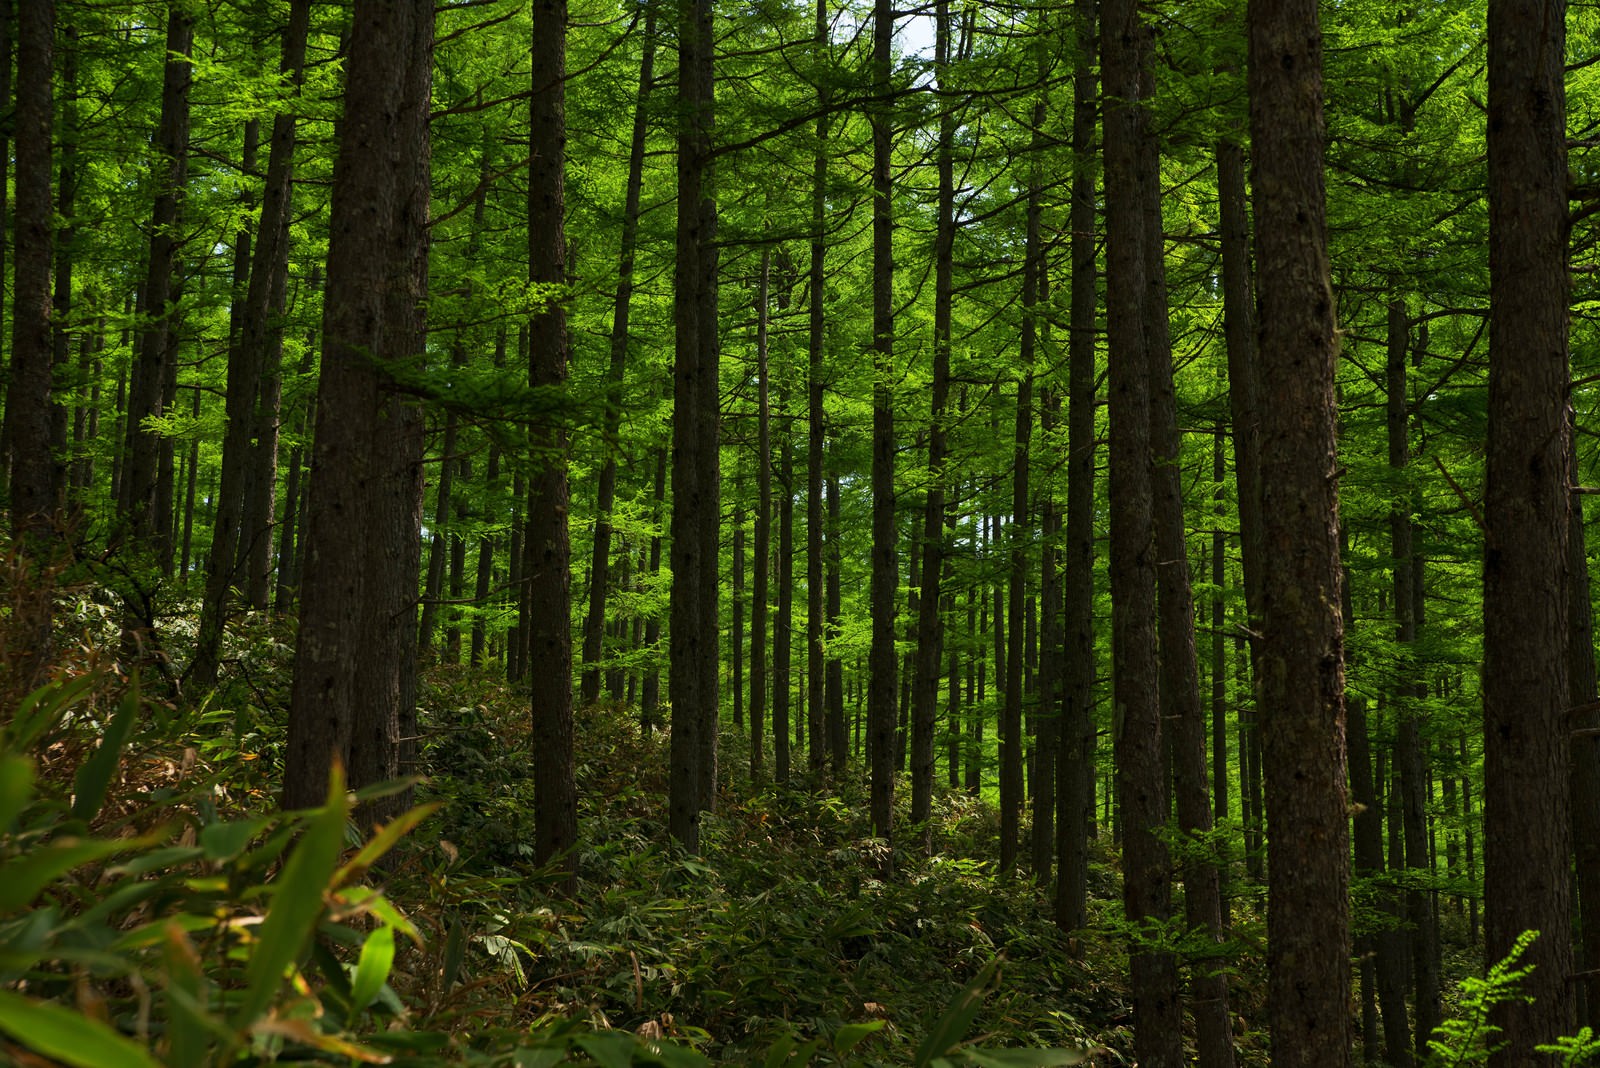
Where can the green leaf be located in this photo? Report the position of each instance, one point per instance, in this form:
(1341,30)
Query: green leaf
(384,841)
(372,970)
(224,841)
(16,788)
(94,777)
(68,1036)
(537,1058)
(1025,1058)
(952,1026)
(778,1055)
(189,1026)
(22,879)
(850,1036)
(43,708)
(296,904)
(610,1049)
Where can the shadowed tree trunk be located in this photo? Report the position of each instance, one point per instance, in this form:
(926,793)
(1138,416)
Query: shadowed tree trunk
(692,661)
(1302,635)
(150,370)
(881,684)
(1141,776)
(1527,849)
(762,553)
(605,492)
(816,425)
(549,558)
(1075,783)
(353,696)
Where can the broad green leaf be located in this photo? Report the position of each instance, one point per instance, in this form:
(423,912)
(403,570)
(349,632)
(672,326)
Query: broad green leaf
(22,879)
(296,904)
(43,708)
(850,1036)
(68,1036)
(537,1058)
(189,1029)
(224,841)
(1025,1058)
(372,969)
(951,1027)
(16,787)
(778,1054)
(94,777)
(610,1049)
(384,841)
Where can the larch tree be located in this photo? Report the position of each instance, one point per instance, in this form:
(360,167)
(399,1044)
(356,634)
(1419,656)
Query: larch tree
(1302,635)
(692,659)
(1526,822)
(354,674)
(548,568)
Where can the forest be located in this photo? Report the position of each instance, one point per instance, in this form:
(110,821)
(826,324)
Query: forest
(799,532)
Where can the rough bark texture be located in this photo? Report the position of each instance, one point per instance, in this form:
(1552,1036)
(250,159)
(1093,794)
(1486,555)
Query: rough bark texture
(881,687)
(762,535)
(1302,634)
(1527,847)
(605,492)
(34,476)
(1585,768)
(353,697)
(549,554)
(816,424)
(1141,775)
(692,660)
(150,370)
(1075,783)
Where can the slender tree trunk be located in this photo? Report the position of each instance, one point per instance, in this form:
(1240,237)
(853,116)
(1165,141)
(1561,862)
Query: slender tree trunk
(1526,684)
(692,662)
(1585,768)
(1180,705)
(763,529)
(140,504)
(1075,783)
(1141,779)
(605,492)
(354,680)
(1302,643)
(783,620)
(548,550)
(930,631)
(817,420)
(650,691)
(838,730)
(881,682)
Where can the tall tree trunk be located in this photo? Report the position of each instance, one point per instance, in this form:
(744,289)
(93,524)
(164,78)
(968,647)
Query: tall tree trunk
(605,492)
(692,662)
(783,619)
(353,695)
(817,418)
(1526,816)
(838,730)
(763,529)
(1180,705)
(1409,753)
(150,369)
(549,555)
(1302,642)
(1585,768)
(881,684)
(35,478)
(1141,779)
(1075,783)
(930,632)
(650,691)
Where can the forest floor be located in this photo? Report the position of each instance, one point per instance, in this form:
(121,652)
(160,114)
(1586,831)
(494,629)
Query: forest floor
(779,944)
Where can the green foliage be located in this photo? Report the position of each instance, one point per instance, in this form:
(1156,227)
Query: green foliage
(1469,1038)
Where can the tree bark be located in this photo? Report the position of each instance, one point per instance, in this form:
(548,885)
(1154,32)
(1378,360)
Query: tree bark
(692,662)
(1075,782)
(605,492)
(881,684)
(1526,802)
(762,553)
(549,555)
(352,697)
(1141,779)
(1302,636)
